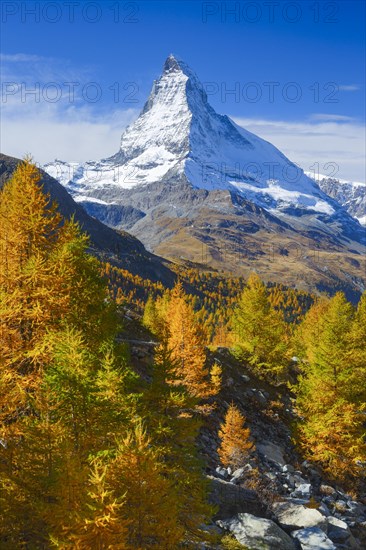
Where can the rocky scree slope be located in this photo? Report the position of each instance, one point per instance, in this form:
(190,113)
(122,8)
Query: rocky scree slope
(292,506)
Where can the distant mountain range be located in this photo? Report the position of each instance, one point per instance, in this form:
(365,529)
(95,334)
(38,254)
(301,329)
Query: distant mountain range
(350,194)
(194,186)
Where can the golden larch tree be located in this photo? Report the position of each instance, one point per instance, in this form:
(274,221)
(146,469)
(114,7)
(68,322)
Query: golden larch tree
(235,439)
(187,343)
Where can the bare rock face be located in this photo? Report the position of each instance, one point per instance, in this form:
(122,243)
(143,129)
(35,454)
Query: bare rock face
(351,195)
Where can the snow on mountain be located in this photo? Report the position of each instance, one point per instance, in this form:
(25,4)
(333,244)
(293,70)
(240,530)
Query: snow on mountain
(179,135)
(350,194)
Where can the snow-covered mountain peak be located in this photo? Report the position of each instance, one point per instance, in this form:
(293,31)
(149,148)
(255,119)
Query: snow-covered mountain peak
(179,135)
(175,64)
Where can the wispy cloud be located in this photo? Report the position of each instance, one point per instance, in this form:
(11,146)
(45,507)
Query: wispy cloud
(46,111)
(323,117)
(349,87)
(80,130)
(20,58)
(316,141)
(74,134)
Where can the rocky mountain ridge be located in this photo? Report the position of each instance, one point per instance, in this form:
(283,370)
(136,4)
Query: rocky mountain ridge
(349,194)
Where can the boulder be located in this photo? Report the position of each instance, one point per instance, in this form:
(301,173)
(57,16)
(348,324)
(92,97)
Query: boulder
(296,516)
(257,533)
(288,468)
(273,453)
(240,473)
(323,509)
(313,538)
(302,491)
(232,499)
(338,531)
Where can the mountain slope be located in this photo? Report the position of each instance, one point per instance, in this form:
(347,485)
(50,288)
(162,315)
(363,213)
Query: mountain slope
(190,182)
(118,247)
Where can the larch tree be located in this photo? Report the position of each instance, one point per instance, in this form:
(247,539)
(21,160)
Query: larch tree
(169,413)
(77,469)
(56,324)
(357,355)
(332,430)
(307,335)
(236,444)
(187,344)
(151,503)
(260,331)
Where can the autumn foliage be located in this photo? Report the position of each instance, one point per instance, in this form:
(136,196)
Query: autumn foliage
(235,439)
(94,455)
(84,463)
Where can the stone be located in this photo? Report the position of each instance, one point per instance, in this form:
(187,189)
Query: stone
(341,506)
(288,468)
(323,509)
(245,378)
(313,538)
(232,499)
(222,472)
(296,516)
(299,480)
(257,533)
(329,501)
(240,473)
(261,398)
(356,508)
(338,531)
(327,490)
(290,481)
(272,452)
(302,491)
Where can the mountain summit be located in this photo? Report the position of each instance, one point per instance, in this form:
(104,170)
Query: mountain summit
(179,134)
(183,170)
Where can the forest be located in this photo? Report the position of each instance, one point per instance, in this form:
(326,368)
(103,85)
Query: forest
(95,456)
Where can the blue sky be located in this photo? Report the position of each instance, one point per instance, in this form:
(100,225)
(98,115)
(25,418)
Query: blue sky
(297,69)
